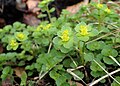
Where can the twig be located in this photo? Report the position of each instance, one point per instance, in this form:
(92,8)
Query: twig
(105,76)
(49,48)
(118,30)
(107,72)
(73,61)
(73,74)
(115,60)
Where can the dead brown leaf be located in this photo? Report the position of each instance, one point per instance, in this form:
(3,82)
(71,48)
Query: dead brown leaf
(2,22)
(33,5)
(7,82)
(31,19)
(1,48)
(19,71)
(73,82)
(75,8)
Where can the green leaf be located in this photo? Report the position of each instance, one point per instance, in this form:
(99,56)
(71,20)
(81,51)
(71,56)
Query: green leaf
(6,71)
(108,60)
(97,73)
(42,15)
(109,52)
(94,66)
(79,74)
(95,45)
(52,10)
(23,79)
(65,84)
(114,83)
(64,50)
(60,80)
(17,25)
(68,44)
(67,62)
(53,74)
(89,57)
(94,32)
(83,38)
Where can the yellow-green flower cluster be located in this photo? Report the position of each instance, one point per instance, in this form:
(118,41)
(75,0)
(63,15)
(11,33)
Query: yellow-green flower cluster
(107,10)
(65,36)
(84,30)
(13,43)
(99,6)
(47,27)
(41,27)
(104,8)
(20,36)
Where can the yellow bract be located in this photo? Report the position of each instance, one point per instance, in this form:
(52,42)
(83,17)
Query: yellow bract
(83,30)
(20,36)
(13,43)
(107,10)
(99,6)
(38,28)
(65,36)
(47,27)
(65,32)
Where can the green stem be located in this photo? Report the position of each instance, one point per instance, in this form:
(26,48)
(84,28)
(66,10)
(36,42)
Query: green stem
(99,19)
(49,16)
(81,53)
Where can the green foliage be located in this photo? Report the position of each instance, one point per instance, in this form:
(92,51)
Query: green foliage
(60,44)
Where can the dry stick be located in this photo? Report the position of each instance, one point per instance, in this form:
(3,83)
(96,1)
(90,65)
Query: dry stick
(118,30)
(105,76)
(115,60)
(107,72)
(49,48)
(73,74)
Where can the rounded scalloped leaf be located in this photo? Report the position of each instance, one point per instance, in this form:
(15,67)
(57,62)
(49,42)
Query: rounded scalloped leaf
(109,52)
(94,66)
(108,60)
(68,44)
(94,32)
(95,45)
(83,38)
(97,73)
(89,57)
(64,50)
(79,74)
(66,62)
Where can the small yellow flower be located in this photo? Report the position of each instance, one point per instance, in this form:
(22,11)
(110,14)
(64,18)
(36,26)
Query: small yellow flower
(107,10)
(39,28)
(99,6)
(47,27)
(65,36)
(83,30)
(65,32)
(20,36)
(13,43)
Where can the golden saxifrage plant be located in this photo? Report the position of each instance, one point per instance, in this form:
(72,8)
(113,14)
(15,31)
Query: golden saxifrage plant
(78,47)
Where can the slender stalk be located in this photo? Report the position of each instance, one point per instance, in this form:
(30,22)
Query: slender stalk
(50,45)
(48,12)
(107,72)
(115,60)
(81,52)
(73,61)
(103,77)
